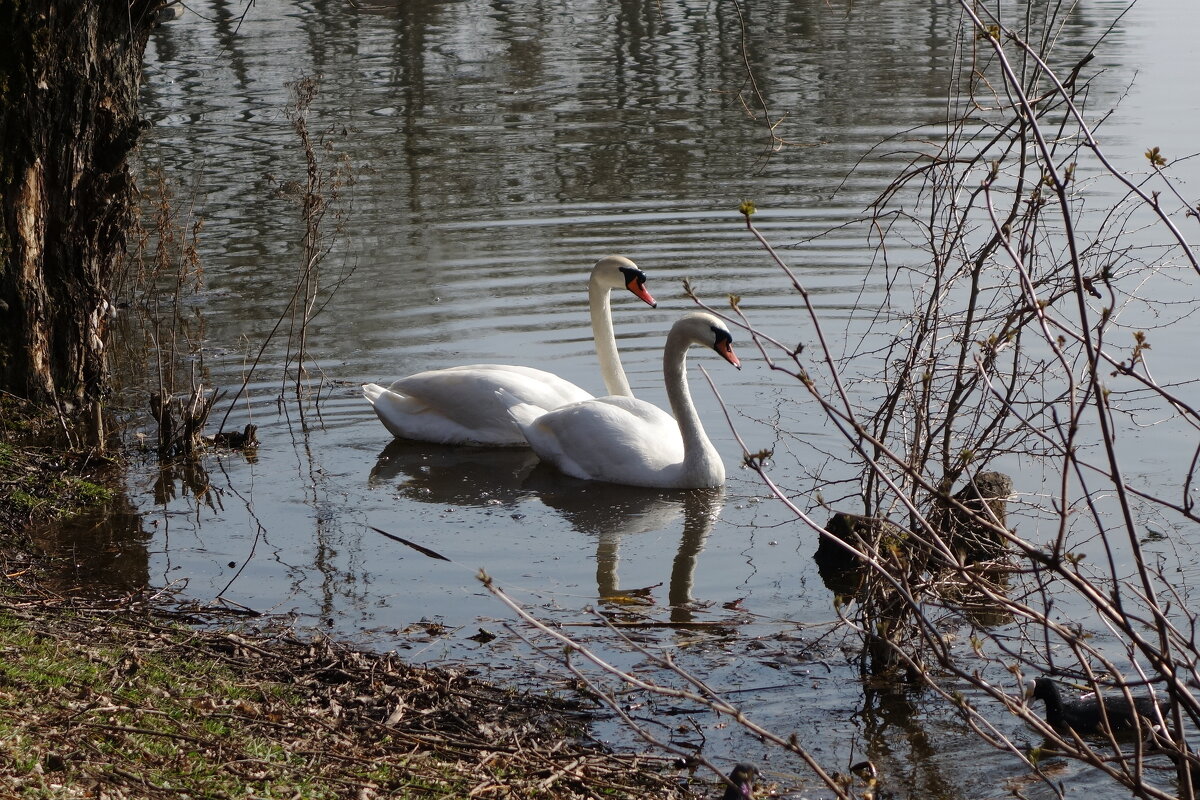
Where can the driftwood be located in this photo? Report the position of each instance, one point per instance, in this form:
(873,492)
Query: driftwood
(181,421)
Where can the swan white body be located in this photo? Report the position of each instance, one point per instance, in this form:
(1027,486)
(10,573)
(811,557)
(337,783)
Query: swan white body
(628,441)
(462,405)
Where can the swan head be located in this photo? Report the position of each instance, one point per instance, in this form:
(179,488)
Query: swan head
(702,328)
(615,272)
(724,345)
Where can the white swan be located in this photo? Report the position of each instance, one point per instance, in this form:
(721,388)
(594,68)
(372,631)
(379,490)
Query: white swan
(632,442)
(460,405)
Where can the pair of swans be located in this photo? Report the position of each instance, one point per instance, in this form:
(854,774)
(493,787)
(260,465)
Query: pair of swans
(459,405)
(617,438)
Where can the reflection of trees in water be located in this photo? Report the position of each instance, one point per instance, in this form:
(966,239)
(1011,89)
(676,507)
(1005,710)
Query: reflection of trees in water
(668,99)
(183,478)
(98,553)
(473,477)
(188,484)
(665,103)
(898,742)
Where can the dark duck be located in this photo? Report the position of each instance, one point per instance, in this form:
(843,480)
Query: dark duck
(1084,715)
(743,776)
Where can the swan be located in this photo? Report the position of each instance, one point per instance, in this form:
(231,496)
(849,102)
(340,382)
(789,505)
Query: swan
(460,405)
(623,440)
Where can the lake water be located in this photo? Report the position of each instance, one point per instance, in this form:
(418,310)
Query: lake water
(496,150)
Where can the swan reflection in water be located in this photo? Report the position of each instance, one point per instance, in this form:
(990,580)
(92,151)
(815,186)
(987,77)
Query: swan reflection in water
(477,477)
(610,513)
(463,476)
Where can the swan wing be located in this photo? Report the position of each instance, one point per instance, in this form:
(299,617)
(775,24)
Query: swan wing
(461,405)
(619,439)
(615,439)
(537,384)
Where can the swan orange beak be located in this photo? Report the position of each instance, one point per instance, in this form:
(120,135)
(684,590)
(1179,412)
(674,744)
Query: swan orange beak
(637,285)
(726,351)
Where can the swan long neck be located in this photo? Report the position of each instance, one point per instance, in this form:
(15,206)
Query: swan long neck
(696,446)
(611,370)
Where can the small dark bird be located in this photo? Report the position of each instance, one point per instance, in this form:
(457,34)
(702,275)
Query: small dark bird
(743,776)
(1084,716)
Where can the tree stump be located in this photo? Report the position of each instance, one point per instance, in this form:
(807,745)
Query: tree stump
(839,567)
(972,533)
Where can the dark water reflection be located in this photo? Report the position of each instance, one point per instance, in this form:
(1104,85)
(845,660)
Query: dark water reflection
(465,476)
(497,150)
(102,553)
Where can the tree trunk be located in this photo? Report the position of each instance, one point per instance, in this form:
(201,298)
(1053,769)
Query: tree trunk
(69,76)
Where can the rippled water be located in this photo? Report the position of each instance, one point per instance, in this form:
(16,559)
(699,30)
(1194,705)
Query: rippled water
(497,150)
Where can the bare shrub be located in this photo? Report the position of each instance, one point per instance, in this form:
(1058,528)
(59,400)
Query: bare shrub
(1024,344)
(157,279)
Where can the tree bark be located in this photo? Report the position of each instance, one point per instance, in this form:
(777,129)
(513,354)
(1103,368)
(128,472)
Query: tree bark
(69,77)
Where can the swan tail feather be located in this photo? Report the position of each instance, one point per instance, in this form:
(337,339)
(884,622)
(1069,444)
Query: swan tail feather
(372,392)
(523,414)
